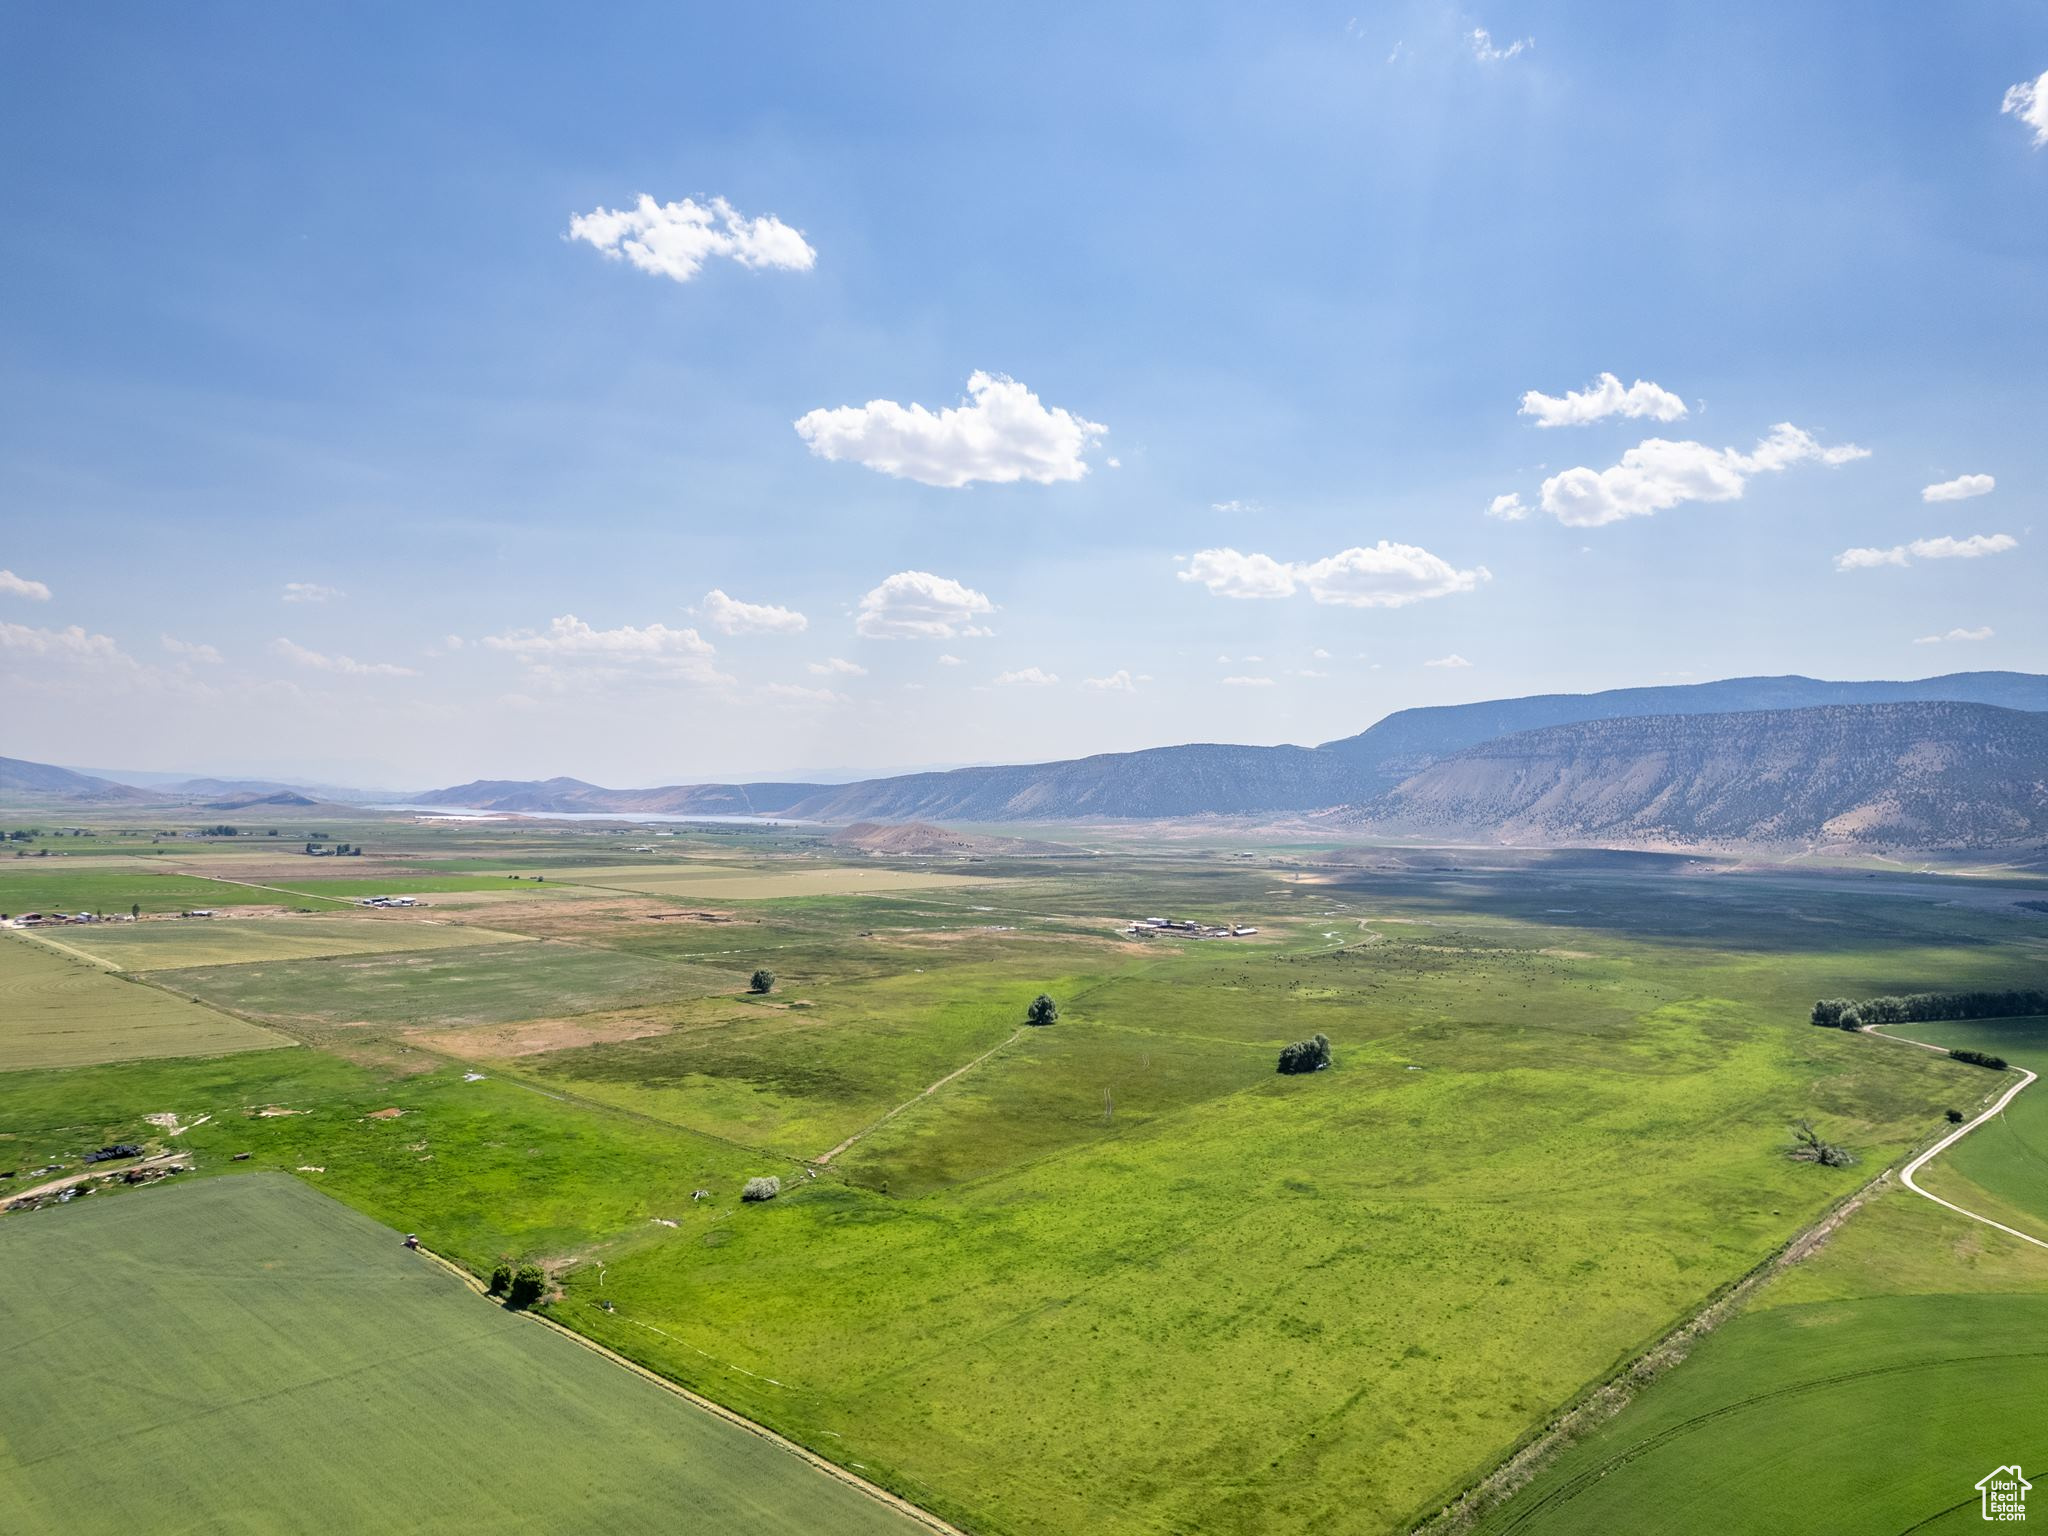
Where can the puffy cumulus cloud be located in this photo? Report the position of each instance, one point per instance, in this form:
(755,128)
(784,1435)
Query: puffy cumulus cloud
(310,592)
(674,240)
(1962,488)
(1453,661)
(2028,101)
(1486,51)
(569,641)
(916,605)
(1247,682)
(1027,677)
(1004,433)
(730,616)
(1975,547)
(70,644)
(1119,681)
(20,586)
(1658,474)
(347,666)
(1982,632)
(1603,398)
(1509,508)
(191,650)
(837,666)
(1383,575)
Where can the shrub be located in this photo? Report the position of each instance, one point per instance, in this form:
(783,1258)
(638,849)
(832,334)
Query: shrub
(501,1278)
(1981,1059)
(761,981)
(528,1285)
(1955,1117)
(762,1189)
(1043,1010)
(1310,1055)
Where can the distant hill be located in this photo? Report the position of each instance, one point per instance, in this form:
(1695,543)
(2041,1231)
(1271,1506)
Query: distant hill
(1911,775)
(41,781)
(919,839)
(1411,739)
(282,797)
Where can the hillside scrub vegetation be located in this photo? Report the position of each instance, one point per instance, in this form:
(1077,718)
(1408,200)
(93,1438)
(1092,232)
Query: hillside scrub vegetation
(1926,1008)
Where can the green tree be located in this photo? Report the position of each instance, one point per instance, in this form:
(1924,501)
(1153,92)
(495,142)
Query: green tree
(528,1285)
(762,982)
(135,909)
(1043,1010)
(501,1278)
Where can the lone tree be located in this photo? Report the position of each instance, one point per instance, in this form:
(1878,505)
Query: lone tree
(1310,1055)
(1955,1117)
(1043,1010)
(528,1286)
(762,982)
(766,1188)
(1809,1148)
(501,1278)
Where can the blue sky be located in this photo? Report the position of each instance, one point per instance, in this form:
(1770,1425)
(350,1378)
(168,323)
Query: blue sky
(301,368)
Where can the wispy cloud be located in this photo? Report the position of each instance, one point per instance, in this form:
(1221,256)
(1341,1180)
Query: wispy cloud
(191,650)
(730,616)
(1983,632)
(1453,660)
(20,586)
(70,643)
(1003,434)
(837,666)
(1119,681)
(1247,682)
(310,592)
(345,665)
(655,649)
(1508,508)
(674,240)
(1658,474)
(1486,51)
(1027,677)
(1975,547)
(2028,101)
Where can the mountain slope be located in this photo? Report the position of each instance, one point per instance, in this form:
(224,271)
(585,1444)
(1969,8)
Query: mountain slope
(1410,739)
(1918,775)
(44,782)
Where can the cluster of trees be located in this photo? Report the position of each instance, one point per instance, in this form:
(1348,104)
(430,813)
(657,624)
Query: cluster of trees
(223,830)
(1980,1059)
(521,1286)
(1926,1007)
(1310,1055)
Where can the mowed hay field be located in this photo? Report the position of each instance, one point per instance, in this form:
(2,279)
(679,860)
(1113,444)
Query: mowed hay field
(180,943)
(245,1354)
(60,1011)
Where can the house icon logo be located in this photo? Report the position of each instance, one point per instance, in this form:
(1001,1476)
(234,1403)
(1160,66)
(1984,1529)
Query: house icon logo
(2005,1494)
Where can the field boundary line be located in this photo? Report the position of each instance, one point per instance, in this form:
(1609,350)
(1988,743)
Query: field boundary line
(1956,1135)
(35,936)
(875,1491)
(925,1094)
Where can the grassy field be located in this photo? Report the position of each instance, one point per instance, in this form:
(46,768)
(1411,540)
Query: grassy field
(2001,1168)
(66,885)
(1114,1275)
(59,1011)
(245,1354)
(178,944)
(716,882)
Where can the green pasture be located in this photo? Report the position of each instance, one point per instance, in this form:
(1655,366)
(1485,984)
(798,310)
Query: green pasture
(414,880)
(2001,1168)
(53,885)
(58,1010)
(178,943)
(244,1354)
(725,882)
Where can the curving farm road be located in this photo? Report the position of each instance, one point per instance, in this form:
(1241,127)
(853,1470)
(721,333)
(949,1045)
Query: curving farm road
(1957,1135)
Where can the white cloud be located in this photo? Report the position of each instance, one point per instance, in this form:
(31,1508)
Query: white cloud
(1657,474)
(730,616)
(916,605)
(1005,434)
(1027,677)
(675,239)
(1320,654)
(1114,462)
(452,642)
(1602,398)
(191,650)
(951,661)
(310,592)
(1983,632)
(1508,508)
(1384,575)
(21,586)
(347,665)
(1247,682)
(1962,488)
(1119,681)
(568,640)
(1485,52)
(70,643)
(1310,672)
(837,666)
(1453,660)
(2028,101)
(1974,547)
(1245,507)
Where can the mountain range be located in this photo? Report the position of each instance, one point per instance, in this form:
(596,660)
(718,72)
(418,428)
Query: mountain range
(1953,761)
